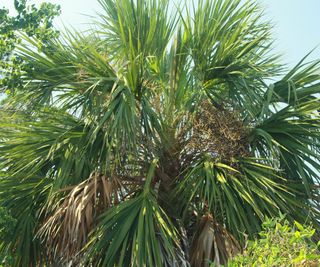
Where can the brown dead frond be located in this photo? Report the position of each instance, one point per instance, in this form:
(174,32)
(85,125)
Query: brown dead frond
(65,232)
(212,243)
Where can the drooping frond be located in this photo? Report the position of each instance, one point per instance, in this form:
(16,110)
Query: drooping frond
(70,221)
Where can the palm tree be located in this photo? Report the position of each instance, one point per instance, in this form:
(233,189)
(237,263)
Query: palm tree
(157,138)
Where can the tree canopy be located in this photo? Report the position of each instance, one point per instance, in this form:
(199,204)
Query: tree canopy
(158,138)
(31,21)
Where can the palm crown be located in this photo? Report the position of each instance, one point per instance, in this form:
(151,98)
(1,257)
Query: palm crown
(155,139)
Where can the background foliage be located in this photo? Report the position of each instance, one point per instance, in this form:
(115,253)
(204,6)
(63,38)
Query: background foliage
(31,21)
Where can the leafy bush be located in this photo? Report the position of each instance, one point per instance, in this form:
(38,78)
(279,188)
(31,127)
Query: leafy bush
(280,244)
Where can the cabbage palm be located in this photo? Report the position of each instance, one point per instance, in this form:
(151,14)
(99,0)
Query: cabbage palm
(157,138)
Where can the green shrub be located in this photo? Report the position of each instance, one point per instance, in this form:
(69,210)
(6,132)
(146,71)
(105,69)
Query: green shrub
(280,244)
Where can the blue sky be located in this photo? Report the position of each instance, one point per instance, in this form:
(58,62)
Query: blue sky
(296,31)
(297,27)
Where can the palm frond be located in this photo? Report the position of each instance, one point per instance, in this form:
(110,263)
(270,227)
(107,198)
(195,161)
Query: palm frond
(249,186)
(134,31)
(137,232)
(230,46)
(68,224)
(301,83)
(24,199)
(74,74)
(291,137)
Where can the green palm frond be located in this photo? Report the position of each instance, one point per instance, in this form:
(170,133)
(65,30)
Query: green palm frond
(137,232)
(291,137)
(24,198)
(300,84)
(231,46)
(30,145)
(246,187)
(73,73)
